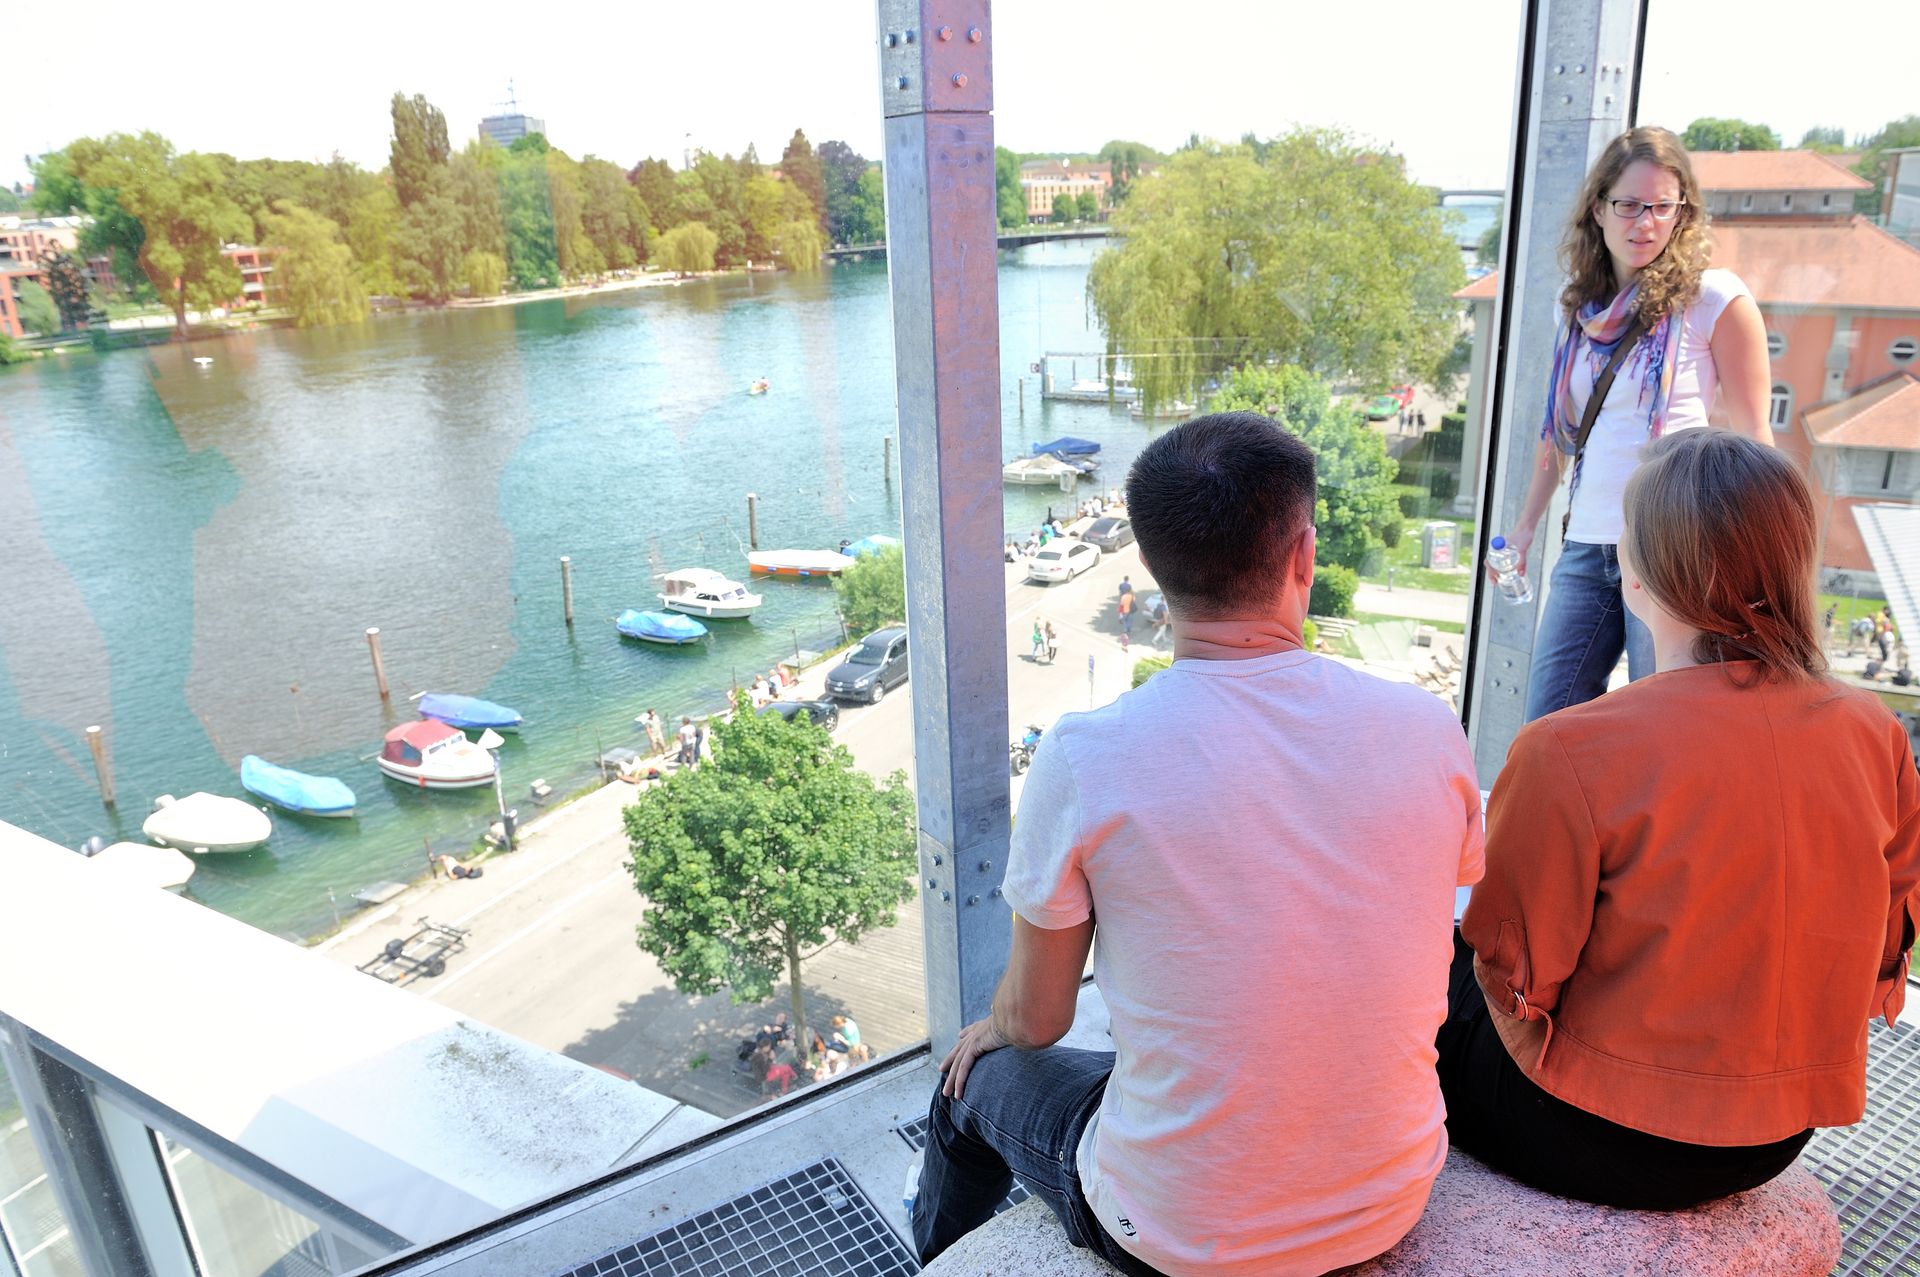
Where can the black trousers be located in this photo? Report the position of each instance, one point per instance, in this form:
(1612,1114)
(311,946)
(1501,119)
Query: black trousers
(1496,1113)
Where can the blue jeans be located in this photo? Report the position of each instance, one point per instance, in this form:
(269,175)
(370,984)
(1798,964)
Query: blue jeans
(1583,631)
(1023,1114)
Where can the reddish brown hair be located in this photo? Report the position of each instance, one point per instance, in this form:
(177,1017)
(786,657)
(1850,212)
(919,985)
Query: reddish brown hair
(1721,532)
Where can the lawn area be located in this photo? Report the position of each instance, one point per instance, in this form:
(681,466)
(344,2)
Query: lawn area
(1377,618)
(1404,559)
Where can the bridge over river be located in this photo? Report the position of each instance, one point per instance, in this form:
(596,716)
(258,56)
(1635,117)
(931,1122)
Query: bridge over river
(1008,239)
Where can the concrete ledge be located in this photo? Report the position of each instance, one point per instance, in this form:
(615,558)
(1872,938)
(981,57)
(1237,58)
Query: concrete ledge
(1481,1222)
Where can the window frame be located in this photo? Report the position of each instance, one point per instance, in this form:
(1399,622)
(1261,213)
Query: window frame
(1909,345)
(1776,343)
(1780,405)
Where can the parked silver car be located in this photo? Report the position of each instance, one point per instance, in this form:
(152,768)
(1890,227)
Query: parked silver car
(1109,533)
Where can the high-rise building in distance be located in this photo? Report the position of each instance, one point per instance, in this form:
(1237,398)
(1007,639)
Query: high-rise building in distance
(505,130)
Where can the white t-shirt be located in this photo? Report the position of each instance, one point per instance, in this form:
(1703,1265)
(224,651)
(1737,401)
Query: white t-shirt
(1620,431)
(1269,848)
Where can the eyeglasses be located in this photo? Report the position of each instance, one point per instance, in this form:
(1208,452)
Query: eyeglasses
(1630,210)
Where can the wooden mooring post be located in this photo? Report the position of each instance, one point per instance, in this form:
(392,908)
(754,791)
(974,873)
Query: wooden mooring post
(753,521)
(886,459)
(379,667)
(102,766)
(566,587)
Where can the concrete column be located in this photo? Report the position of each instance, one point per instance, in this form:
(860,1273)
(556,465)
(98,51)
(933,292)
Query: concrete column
(937,100)
(1578,63)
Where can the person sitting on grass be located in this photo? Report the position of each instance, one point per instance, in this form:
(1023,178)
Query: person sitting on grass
(1197,824)
(1699,887)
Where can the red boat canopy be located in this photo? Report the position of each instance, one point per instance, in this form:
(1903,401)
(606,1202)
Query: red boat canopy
(407,742)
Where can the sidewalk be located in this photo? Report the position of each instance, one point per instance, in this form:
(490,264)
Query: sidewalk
(1426,605)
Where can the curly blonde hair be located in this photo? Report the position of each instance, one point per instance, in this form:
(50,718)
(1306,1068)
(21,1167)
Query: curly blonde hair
(1671,280)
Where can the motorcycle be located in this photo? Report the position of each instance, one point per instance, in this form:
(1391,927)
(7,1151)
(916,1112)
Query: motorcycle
(1020,752)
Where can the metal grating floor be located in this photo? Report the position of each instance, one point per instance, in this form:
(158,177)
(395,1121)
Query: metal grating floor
(1872,1168)
(813,1222)
(915,1134)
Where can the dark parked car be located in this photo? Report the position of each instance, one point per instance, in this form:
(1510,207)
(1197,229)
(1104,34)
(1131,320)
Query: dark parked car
(1109,534)
(880,662)
(824,713)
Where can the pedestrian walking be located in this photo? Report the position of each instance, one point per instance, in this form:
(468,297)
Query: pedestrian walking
(1126,611)
(1160,618)
(656,737)
(1039,642)
(689,741)
(1420,419)
(1053,644)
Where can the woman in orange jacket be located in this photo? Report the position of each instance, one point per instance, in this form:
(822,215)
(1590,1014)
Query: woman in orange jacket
(1699,887)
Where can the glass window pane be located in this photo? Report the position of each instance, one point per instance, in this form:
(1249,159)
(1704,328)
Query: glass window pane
(33,1229)
(236,1230)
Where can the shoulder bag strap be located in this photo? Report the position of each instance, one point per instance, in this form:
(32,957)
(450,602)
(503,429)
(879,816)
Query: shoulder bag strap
(1603,384)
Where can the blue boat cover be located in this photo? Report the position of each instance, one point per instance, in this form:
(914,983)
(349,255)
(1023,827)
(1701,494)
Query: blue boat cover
(1067,445)
(295,791)
(871,544)
(659,627)
(467,711)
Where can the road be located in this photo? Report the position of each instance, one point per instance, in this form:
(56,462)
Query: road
(552,957)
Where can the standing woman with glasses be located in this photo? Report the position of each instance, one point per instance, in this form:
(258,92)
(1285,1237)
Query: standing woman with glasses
(1640,301)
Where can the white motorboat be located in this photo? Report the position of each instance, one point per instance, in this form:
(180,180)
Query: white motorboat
(1041,471)
(433,755)
(798,562)
(143,863)
(207,823)
(704,592)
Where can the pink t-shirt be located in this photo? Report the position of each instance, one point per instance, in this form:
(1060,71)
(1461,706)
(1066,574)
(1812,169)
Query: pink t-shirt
(1270,849)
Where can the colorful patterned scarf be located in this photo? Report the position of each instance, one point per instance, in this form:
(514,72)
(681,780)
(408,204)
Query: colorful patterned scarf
(1599,329)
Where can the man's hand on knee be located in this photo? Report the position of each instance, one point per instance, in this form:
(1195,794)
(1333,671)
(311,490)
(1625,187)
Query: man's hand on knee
(975,1041)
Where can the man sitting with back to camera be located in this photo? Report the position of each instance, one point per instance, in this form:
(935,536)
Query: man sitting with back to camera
(1275,920)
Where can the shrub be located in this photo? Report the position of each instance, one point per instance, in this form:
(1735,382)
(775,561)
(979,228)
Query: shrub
(1414,497)
(1333,590)
(1147,666)
(1310,634)
(1391,533)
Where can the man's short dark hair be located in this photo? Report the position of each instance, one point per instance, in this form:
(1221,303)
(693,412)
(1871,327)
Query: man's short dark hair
(1218,505)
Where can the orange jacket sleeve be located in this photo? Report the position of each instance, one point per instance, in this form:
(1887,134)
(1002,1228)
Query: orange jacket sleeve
(1530,916)
(1903,877)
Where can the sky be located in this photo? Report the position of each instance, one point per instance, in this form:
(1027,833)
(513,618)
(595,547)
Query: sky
(1432,81)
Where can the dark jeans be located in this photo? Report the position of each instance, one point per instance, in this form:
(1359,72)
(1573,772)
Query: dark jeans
(1582,632)
(1496,1113)
(1023,1114)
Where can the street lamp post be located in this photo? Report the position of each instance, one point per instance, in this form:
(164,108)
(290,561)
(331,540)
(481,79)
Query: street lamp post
(491,742)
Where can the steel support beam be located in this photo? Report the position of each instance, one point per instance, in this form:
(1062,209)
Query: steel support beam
(1579,66)
(937,102)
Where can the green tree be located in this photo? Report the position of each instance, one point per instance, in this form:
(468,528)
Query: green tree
(1356,500)
(1487,252)
(687,249)
(1088,209)
(1065,209)
(313,268)
(67,283)
(473,184)
(485,273)
(1825,138)
(372,225)
(873,592)
(868,219)
(38,314)
(419,151)
(653,181)
(113,232)
(1010,202)
(714,191)
(1323,256)
(1124,162)
(840,170)
(526,209)
(184,211)
(1873,164)
(10,200)
(576,253)
(800,166)
(10,353)
(799,245)
(612,214)
(755,861)
(429,248)
(1712,134)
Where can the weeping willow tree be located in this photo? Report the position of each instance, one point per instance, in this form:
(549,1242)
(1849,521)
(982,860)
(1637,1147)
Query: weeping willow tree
(1307,249)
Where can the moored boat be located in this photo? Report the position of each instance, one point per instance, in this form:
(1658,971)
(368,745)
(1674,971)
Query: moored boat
(207,823)
(432,755)
(460,711)
(1044,470)
(295,791)
(1067,446)
(144,864)
(798,562)
(704,592)
(873,544)
(660,627)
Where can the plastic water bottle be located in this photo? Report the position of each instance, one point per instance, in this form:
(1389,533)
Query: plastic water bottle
(912,1188)
(1507,574)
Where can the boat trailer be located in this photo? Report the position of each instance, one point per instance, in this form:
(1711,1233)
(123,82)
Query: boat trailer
(424,953)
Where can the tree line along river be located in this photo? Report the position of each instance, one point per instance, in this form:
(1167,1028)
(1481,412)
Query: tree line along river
(191,554)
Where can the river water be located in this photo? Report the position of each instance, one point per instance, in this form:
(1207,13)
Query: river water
(190,556)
